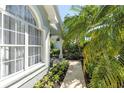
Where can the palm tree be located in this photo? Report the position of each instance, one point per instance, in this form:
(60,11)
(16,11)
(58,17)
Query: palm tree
(103,55)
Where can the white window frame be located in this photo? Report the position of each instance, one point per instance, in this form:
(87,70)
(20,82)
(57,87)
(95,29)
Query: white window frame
(26,45)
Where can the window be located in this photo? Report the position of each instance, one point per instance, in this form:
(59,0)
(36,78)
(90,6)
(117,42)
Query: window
(39,37)
(13,59)
(20,39)
(29,17)
(20,27)
(39,54)
(9,37)
(11,9)
(9,68)
(8,60)
(22,12)
(0,20)
(34,36)
(6,21)
(9,23)
(0,27)
(20,53)
(19,65)
(20,33)
(0,36)
(34,55)
(31,33)
(34,51)
(9,53)
(17,22)
(18,13)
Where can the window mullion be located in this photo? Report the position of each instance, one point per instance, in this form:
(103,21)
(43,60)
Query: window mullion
(26,47)
(15,43)
(2,52)
(11,47)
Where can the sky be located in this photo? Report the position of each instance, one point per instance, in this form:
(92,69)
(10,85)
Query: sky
(65,10)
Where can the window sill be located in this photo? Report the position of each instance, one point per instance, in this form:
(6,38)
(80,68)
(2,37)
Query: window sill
(10,80)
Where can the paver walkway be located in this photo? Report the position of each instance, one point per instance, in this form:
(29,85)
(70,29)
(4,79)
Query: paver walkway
(74,77)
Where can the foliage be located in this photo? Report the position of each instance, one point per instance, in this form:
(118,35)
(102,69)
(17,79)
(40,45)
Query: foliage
(54,77)
(54,52)
(103,54)
(72,51)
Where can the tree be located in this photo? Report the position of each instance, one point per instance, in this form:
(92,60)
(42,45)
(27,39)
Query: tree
(103,55)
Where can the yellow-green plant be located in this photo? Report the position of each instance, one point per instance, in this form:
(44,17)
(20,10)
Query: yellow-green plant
(54,77)
(103,56)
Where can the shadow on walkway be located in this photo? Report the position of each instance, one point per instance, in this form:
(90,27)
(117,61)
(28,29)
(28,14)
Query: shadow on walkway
(74,77)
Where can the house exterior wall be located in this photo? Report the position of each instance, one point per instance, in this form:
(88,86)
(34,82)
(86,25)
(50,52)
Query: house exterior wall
(28,76)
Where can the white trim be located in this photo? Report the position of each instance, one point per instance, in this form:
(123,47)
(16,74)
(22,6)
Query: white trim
(21,77)
(11,60)
(16,78)
(2,47)
(34,45)
(22,20)
(11,45)
(17,18)
(26,47)
(15,31)
(15,47)
(26,79)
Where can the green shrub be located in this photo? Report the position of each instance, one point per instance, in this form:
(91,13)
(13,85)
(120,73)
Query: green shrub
(49,84)
(54,77)
(60,73)
(39,84)
(71,51)
(54,52)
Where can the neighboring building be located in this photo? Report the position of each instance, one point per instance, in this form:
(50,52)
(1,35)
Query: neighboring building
(25,43)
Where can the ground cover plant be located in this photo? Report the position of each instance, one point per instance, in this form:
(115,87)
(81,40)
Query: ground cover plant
(54,77)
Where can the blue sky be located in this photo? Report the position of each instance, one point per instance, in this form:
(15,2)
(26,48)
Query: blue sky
(64,10)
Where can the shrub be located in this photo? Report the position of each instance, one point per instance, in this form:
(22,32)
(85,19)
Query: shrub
(71,51)
(54,52)
(54,77)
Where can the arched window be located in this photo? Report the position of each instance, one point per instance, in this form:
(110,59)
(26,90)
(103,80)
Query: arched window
(23,12)
(16,48)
